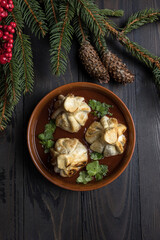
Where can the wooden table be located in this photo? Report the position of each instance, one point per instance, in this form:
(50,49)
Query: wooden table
(32,208)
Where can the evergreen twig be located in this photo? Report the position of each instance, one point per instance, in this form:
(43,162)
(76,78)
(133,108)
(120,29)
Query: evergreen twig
(139,52)
(51,12)
(100,44)
(140,18)
(10,92)
(111,13)
(34,17)
(60,39)
(80,29)
(88,12)
(23,52)
(24,57)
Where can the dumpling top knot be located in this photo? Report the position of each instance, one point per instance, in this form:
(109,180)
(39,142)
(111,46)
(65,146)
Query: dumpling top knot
(106,136)
(71,112)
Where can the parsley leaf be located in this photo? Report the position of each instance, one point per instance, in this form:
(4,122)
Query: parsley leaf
(96,156)
(93,169)
(100,109)
(104,169)
(103,172)
(46,138)
(84,178)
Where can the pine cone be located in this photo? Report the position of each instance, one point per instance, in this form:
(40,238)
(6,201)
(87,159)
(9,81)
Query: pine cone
(92,62)
(116,68)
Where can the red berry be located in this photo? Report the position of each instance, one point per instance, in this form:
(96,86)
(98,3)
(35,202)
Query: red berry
(3,14)
(5,37)
(5,27)
(12,31)
(9,28)
(1,33)
(10,45)
(13,24)
(3,3)
(6,33)
(10,55)
(3,59)
(1,9)
(9,50)
(11,6)
(10,41)
(10,36)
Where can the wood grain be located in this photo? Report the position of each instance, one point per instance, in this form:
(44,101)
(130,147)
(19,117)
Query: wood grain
(127,209)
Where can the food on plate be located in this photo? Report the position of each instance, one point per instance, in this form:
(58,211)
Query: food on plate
(46,138)
(106,137)
(93,170)
(96,156)
(100,109)
(71,112)
(69,155)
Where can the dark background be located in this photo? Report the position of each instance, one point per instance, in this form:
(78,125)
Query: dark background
(32,208)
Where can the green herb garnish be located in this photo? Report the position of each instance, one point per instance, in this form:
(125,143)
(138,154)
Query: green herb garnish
(84,177)
(100,109)
(46,138)
(93,169)
(96,156)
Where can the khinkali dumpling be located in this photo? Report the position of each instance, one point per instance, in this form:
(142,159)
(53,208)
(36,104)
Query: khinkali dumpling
(106,136)
(71,112)
(69,155)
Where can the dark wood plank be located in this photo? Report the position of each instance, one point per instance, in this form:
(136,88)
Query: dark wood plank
(148,123)
(11,178)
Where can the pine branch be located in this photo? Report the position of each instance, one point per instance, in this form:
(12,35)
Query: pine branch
(3,102)
(34,17)
(111,13)
(100,44)
(80,29)
(139,52)
(16,16)
(23,54)
(82,34)
(156,73)
(140,18)
(88,12)
(10,92)
(16,76)
(60,39)
(51,11)
(13,80)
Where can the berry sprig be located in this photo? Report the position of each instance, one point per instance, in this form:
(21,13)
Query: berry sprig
(6,32)
(5,7)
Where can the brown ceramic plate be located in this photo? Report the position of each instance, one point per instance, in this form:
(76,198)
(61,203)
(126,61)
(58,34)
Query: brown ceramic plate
(41,115)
